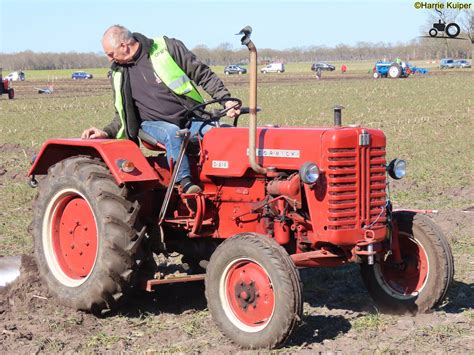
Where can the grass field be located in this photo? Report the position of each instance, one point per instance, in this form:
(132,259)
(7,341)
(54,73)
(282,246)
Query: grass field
(356,67)
(428,120)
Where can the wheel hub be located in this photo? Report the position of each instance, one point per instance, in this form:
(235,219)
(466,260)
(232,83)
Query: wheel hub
(409,276)
(250,294)
(74,237)
(246,294)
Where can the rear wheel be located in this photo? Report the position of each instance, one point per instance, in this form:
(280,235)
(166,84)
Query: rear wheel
(421,281)
(86,242)
(253,291)
(11,94)
(395,71)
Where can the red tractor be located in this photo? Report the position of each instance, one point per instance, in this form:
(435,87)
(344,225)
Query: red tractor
(274,199)
(5,87)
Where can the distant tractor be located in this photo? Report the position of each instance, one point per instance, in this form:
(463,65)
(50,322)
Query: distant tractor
(6,87)
(274,199)
(392,70)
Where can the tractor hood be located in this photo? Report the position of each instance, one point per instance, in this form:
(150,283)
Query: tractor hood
(284,148)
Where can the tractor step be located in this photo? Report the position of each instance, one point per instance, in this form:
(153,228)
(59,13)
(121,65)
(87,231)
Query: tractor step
(175,278)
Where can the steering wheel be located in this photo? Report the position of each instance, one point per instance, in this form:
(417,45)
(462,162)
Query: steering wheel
(213,115)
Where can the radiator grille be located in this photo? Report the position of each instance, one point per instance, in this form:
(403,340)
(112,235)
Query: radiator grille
(356,187)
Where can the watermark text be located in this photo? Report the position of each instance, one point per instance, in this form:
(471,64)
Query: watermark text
(443,5)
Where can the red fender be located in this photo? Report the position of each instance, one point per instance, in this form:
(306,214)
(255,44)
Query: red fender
(109,150)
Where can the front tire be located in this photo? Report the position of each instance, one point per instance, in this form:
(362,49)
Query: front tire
(421,282)
(11,94)
(253,291)
(84,228)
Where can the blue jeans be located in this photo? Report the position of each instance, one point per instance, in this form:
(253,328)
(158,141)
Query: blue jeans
(165,133)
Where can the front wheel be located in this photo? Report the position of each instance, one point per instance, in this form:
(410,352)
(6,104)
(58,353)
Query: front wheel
(253,291)
(376,75)
(85,235)
(11,94)
(420,282)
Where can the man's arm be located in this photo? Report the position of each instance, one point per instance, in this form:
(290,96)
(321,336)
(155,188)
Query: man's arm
(109,131)
(196,70)
(113,127)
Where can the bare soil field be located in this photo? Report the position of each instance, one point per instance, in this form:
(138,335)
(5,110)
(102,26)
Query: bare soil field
(339,315)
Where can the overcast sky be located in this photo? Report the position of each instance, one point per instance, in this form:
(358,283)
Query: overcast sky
(77,25)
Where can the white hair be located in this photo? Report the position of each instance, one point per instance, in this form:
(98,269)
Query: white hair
(117,34)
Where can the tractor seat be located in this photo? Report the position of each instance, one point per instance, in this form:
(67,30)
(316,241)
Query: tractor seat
(150,142)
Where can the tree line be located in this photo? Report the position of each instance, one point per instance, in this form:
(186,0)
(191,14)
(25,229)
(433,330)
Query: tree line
(418,49)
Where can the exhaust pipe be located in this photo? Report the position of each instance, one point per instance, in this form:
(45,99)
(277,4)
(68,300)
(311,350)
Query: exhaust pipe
(338,115)
(246,31)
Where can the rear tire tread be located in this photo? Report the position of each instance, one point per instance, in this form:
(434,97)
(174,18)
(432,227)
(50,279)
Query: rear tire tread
(116,263)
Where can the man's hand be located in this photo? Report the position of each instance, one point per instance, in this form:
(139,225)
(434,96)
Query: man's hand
(94,133)
(235,109)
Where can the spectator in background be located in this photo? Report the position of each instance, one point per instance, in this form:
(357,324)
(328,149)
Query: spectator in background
(318,73)
(343,68)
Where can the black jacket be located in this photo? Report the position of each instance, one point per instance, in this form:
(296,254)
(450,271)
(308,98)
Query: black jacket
(197,71)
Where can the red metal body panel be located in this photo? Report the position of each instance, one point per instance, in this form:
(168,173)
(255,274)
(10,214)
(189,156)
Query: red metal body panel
(347,201)
(351,193)
(236,198)
(225,149)
(110,150)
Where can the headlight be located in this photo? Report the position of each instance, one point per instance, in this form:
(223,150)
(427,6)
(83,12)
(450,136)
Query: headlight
(125,165)
(397,169)
(309,173)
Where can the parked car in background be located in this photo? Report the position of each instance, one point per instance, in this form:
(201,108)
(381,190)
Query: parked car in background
(81,75)
(446,63)
(16,76)
(322,66)
(273,68)
(462,63)
(234,69)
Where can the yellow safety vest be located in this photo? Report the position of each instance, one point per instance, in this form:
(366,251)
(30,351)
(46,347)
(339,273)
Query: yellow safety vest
(169,73)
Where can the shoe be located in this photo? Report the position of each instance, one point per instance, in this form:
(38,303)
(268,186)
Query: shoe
(192,189)
(188,186)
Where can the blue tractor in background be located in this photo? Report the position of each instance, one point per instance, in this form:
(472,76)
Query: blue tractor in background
(396,69)
(392,70)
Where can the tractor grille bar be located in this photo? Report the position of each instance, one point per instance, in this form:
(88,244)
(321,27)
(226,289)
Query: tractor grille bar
(356,187)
